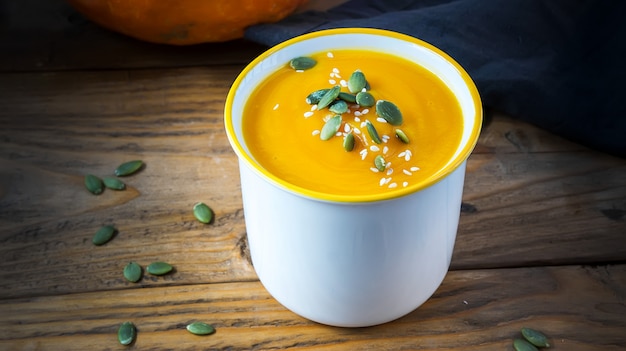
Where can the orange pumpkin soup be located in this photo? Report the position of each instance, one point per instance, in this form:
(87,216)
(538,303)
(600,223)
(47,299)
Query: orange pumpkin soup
(306,146)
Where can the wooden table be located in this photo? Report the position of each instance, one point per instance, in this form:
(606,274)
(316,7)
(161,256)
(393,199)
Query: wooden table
(540,243)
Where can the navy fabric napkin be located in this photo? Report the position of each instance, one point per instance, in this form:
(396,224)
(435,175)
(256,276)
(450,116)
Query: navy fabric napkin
(557,64)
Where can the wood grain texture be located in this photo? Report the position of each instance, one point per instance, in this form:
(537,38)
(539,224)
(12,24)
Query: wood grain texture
(547,202)
(579,308)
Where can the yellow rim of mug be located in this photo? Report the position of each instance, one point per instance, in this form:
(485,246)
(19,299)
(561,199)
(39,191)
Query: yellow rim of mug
(387,195)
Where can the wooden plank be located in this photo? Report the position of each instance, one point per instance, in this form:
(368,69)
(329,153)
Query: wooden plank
(550,202)
(579,308)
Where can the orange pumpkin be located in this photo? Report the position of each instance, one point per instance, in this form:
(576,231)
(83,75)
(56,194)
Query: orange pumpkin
(184,22)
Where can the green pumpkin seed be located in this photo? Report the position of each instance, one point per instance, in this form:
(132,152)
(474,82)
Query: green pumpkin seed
(94,184)
(535,337)
(349,98)
(365,99)
(128,168)
(348,142)
(202,212)
(402,136)
(159,268)
(356,82)
(316,96)
(389,111)
(338,106)
(302,63)
(200,328)
(127,333)
(372,132)
(133,272)
(331,127)
(523,345)
(113,183)
(380,163)
(328,97)
(103,235)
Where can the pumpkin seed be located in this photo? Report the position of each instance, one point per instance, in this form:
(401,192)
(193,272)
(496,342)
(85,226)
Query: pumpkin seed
(128,168)
(159,268)
(94,184)
(316,96)
(103,235)
(302,63)
(402,136)
(389,111)
(350,98)
(202,212)
(200,328)
(356,82)
(331,127)
(127,333)
(523,345)
(371,130)
(535,337)
(328,97)
(133,272)
(380,163)
(348,142)
(113,183)
(365,99)
(338,106)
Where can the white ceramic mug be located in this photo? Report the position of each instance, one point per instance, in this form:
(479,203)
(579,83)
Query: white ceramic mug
(344,261)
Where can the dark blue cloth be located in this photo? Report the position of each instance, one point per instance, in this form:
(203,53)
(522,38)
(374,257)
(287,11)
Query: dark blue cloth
(557,64)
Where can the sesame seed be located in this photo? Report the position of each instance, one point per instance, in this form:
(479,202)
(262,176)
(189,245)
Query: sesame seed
(365,111)
(335,70)
(402,154)
(388,164)
(346,127)
(308,114)
(381,120)
(363,90)
(315,132)
(314,108)
(374,148)
(387,180)
(357,119)
(392,185)
(332,81)
(343,82)
(385,150)
(389,171)
(357,113)
(385,138)
(299,70)
(405,184)
(363,154)
(407,172)
(374,169)
(332,75)
(415,169)
(276,107)
(408,155)
(363,124)
(338,134)
(330,54)
(381,182)
(356,130)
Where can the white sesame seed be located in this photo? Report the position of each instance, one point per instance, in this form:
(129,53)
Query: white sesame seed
(335,70)
(374,148)
(405,184)
(363,154)
(276,107)
(363,90)
(363,124)
(415,169)
(346,127)
(388,164)
(357,119)
(308,114)
(385,150)
(314,108)
(385,138)
(387,180)
(315,132)
(389,171)
(343,82)
(407,172)
(402,154)
(357,114)
(332,75)
(299,70)
(357,130)
(374,169)
(381,120)
(329,54)
(338,134)
(365,111)
(408,155)
(381,182)
(393,185)
(332,81)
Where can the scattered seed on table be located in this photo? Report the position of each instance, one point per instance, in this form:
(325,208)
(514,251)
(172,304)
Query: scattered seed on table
(159,268)
(127,333)
(94,184)
(202,212)
(523,345)
(535,337)
(133,272)
(103,235)
(200,328)
(113,183)
(128,168)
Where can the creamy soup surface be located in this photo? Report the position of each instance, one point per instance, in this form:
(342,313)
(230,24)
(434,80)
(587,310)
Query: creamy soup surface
(283,130)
